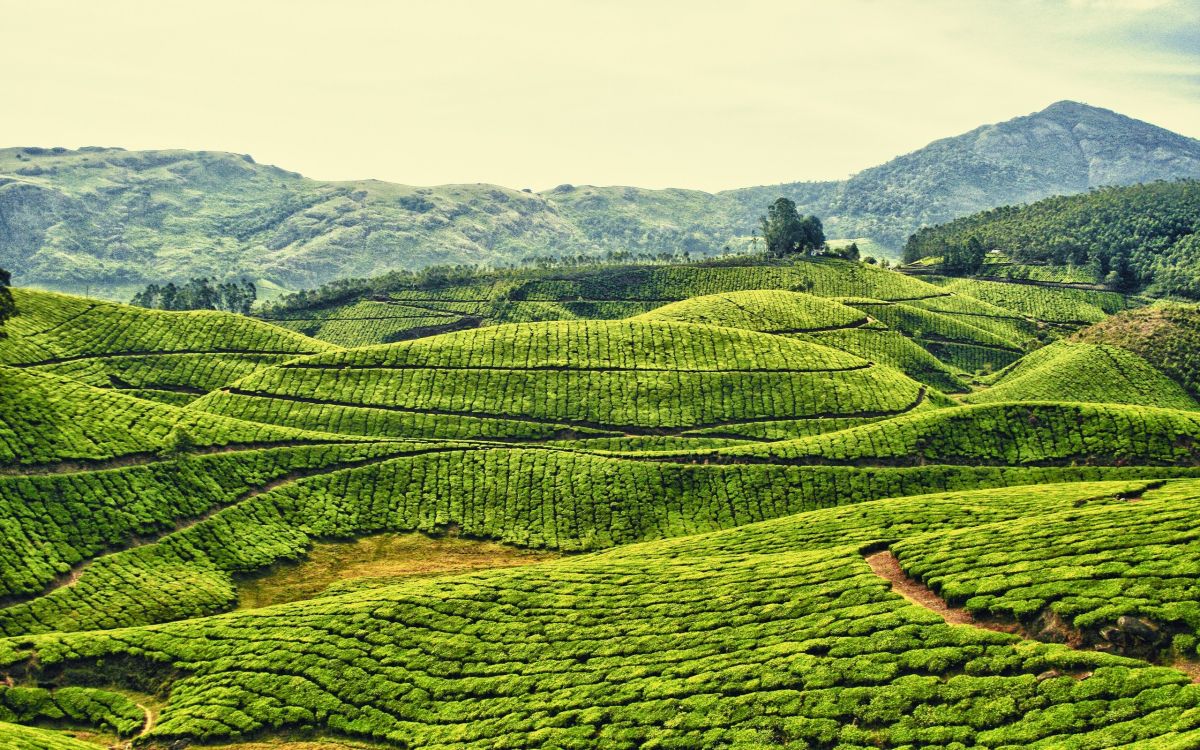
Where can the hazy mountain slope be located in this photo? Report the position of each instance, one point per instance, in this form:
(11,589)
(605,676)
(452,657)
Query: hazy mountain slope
(108,217)
(112,220)
(1066,148)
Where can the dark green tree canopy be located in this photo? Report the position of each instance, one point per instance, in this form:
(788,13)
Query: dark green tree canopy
(199,294)
(1135,238)
(786,232)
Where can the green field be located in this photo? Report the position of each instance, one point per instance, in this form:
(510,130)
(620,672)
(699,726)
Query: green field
(620,506)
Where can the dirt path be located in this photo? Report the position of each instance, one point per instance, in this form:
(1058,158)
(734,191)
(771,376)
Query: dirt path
(885,565)
(151,719)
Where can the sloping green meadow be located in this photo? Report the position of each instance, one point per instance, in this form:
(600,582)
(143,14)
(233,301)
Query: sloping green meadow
(713,451)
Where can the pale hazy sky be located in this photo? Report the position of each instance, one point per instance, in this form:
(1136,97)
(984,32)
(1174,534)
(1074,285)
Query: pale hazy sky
(533,93)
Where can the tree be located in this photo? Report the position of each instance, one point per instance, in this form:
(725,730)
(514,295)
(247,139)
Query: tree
(966,258)
(8,307)
(786,232)
(199,294)
(849,252)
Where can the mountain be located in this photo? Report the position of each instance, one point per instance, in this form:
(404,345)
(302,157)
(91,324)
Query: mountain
(112,220)
(1066,148)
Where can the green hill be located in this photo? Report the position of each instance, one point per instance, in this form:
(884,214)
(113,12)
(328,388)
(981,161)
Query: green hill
(768,311)
(165,356)
(932,334)
(1085,372)
(597,378)
(46,418)
(1166,336)
(750,516)
(764,635)
(1053,434)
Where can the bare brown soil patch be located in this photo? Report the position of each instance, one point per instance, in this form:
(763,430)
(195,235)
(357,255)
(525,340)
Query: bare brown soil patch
(386,558)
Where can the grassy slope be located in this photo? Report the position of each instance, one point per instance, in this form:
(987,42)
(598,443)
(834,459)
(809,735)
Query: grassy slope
(946,332)
(1085,372)
(768,311)
(1165,335)
(765,634)
(47,418)
(752,634)
(166,356)
(1003,434)
(525,380)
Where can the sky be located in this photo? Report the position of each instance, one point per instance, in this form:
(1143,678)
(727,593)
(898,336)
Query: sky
(706,94)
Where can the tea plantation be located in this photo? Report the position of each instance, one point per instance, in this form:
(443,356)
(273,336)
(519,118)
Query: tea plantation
(805,504)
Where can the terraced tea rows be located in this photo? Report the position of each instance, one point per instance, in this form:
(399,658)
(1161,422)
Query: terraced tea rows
(1086,372)
(1120,577)
(167,356)
(1046,434)
(721,469)
(962,330)
(48,419)
(667,642)
(533,380)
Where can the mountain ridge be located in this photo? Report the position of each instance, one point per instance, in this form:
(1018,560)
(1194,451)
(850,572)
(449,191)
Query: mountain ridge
(102,216)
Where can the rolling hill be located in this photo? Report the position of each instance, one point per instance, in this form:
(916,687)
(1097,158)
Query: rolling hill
(97,219)
(809,504)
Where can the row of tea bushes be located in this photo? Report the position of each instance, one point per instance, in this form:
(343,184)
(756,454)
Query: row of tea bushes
(794,648)
(51,326)
(1090,566)
(1003,434)
(1086,372)
(70,706)
(54,522)
(768,311)
(46,418)
(551,498)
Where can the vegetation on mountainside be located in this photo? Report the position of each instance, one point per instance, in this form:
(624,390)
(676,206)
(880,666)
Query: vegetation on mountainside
(728,440)
(1165,335)
(77,706)
(47,418)
(1122,575)
(166,356)
(528,380)
(768,311)
(1137,238)
(1035,434)
(29,738)
(111,221)
(932,334)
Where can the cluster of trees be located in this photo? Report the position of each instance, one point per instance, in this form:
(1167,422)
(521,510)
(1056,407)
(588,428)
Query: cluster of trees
(199,294)
(1139,237)
(785,232)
